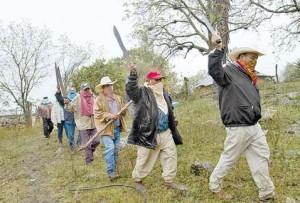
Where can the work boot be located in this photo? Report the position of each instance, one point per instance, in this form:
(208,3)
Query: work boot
(222,195)
(113,176)
(267,198)
(139,186)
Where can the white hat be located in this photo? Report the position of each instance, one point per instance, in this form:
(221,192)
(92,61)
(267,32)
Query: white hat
(45,100)
(242,50)
(104,81)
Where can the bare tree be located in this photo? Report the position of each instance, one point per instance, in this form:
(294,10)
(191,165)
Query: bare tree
(71,57)
(288,33)
(176,26)
(25,53)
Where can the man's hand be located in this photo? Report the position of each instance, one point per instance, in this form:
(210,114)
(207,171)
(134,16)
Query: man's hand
(217,41)
(132,67)
(113,117)
(66,101)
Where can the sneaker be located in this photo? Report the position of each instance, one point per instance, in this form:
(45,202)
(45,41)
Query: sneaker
(139,186)
(267,198)
(222,195)
(113,176)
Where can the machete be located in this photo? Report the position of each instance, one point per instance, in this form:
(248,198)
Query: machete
(120,42)
(59,80)
(209,27)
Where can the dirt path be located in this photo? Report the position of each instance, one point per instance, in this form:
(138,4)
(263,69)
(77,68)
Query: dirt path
(33,166)
(25,162)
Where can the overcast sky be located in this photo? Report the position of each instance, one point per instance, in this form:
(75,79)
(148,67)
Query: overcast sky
(92,20)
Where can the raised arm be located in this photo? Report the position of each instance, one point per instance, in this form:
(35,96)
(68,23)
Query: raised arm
(215,68)
(132,88)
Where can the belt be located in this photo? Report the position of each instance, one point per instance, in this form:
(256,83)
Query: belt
(162,130)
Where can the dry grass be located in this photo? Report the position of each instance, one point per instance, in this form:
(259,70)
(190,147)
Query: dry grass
(32,171)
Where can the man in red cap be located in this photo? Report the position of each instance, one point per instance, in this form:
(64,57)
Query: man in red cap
(153,129)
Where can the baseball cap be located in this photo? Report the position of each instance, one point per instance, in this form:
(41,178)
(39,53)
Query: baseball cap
(154,74)
(85,86)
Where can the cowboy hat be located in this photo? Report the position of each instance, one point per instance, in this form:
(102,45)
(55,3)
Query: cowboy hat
(242,50)
(104,81)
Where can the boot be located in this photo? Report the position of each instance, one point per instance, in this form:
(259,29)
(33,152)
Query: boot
(139,186)
(222,195)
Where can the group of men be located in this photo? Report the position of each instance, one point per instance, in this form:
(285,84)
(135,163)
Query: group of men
(55,115)
(154,129)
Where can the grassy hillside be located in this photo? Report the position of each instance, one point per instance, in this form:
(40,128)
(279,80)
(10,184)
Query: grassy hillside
(33,169)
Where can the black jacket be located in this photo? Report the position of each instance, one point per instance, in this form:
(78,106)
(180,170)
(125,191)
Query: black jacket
(239,99)
(145,121)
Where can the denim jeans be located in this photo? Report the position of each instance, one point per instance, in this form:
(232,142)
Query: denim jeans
(111,151)
(70,128)
(60,129)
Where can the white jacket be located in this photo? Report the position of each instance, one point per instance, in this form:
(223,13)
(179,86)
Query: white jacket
(57,113)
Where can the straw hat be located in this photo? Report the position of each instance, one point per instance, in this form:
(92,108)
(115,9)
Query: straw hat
(104,81)
(242,50)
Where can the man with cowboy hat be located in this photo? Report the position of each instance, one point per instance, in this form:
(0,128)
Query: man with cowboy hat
(240,108)
(106,107)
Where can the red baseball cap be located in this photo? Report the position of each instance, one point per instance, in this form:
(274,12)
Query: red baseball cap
(154,74)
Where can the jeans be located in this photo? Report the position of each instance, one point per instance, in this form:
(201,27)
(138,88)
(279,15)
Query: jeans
(60,127)
(111,150)
(70,129)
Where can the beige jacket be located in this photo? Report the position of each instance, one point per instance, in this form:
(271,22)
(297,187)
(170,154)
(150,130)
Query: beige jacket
(44,110)
(82,122)
(102,114)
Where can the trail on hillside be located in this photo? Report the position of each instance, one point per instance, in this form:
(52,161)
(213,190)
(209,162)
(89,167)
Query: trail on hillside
(33,166)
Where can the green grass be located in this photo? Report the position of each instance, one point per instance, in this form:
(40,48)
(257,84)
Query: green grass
(32,171)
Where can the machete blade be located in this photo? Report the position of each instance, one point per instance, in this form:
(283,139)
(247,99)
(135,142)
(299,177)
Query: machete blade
(120,42)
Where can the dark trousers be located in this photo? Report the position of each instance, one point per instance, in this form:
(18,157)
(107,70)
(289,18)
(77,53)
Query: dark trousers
(47,126)
(89,150)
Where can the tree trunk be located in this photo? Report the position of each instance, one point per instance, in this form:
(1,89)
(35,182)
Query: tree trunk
(28,114)
(221,13)
(28,119)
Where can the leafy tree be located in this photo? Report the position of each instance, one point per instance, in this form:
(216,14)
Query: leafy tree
(25,53)
(292,71)
(116,69)
(93,74)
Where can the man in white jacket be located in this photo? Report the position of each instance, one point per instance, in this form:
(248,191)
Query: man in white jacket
(57,117)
